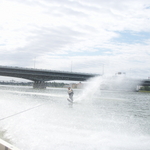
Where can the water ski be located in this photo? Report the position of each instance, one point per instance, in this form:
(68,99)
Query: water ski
(69,100)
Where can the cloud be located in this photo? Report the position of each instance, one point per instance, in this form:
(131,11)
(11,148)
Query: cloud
(87,32)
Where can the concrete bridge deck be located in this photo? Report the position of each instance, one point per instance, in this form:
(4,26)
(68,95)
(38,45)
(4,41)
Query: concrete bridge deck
(39,76)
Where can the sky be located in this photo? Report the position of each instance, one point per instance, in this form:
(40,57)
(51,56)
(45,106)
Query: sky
(89,36)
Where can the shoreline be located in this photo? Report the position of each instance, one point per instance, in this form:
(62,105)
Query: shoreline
(144,91)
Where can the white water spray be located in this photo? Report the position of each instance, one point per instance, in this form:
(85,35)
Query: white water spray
(92,87)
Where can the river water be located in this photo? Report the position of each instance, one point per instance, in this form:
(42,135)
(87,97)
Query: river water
(100,120)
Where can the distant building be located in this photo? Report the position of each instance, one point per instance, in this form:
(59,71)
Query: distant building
(120,73)
(80,85)
(75,85)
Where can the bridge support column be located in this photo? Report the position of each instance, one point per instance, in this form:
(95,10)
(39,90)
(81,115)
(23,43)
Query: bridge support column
(39,85)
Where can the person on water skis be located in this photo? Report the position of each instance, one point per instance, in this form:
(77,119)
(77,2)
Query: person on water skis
(70,93)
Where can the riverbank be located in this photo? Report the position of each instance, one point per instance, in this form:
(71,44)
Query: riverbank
(144,91)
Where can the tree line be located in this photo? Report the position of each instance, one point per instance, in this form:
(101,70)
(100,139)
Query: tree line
(145,88)
(48,84)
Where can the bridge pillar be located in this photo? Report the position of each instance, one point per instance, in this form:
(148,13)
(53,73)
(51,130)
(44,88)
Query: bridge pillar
(39,85)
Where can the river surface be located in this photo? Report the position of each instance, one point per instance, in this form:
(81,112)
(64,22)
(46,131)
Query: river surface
(105,120)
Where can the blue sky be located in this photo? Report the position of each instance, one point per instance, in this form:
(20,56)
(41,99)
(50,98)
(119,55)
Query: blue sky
(89,34)
(130,37)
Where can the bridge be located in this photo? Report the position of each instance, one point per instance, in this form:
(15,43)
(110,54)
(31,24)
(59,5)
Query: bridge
(145,83)
(39,76)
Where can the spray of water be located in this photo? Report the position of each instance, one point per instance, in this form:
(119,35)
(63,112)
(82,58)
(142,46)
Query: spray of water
(90,89)
(96,84)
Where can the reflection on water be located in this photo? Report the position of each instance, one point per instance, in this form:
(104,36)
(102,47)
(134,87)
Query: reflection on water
(105,120)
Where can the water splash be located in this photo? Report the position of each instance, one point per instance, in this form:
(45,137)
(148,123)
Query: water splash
(91,88)
(94,86)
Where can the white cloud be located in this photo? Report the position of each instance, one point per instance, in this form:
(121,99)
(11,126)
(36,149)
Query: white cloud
(51,30)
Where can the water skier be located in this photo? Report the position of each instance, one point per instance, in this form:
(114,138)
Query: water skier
(70,93)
